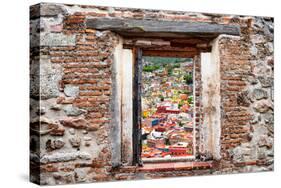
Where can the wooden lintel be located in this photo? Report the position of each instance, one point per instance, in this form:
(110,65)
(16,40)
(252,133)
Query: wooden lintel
(145,43)
(177,49)
(169,53)
(192,40)
(153,44)
(152,28)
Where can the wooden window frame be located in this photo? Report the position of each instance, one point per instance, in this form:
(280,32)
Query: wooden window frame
(137,149)
(137,81)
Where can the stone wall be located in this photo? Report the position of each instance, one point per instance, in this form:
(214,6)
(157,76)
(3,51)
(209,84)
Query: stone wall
(72,95)
(247,97)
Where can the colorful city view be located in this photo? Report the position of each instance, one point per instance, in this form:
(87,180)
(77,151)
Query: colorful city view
(167,107)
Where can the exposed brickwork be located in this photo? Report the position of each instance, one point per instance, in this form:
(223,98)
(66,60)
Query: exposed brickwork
(198,105)
(240,141)
(73,92)
(235,69)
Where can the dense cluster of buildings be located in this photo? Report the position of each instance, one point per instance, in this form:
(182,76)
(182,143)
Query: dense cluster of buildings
(167,109)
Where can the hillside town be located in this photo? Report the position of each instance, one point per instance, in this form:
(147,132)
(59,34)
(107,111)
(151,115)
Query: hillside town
(167,107)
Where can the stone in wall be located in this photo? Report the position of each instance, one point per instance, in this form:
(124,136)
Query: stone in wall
(80,175)
(54,144)
(55,107)
(71,90)
(263,106)
(71,131)
(50,76)
(266,81)
(51,9)
(268,118)
(56,39)
(51,24)
(254,149)
(79,123)
(46,126)
(71,110)
(75,141)
(259,94)
(64,178)
(64,157)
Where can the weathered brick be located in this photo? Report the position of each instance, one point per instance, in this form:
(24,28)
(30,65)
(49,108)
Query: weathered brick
(92,93)
(86,61)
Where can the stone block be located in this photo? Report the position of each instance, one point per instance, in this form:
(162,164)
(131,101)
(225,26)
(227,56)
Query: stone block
(57,39)
(50,76)
(71,110)
(77,123)
(259,94)
(80,175)
(71,90)
(64,178)
(54,144)
(263,106)
(64,157)
(266,81)
(75,141)
(51,9)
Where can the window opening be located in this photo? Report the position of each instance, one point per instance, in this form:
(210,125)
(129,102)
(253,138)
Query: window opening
(167,108)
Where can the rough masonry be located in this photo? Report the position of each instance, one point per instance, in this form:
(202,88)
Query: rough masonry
(72,80)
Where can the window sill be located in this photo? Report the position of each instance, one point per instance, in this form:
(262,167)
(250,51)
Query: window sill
(168,160)
(177,166)
(169,166)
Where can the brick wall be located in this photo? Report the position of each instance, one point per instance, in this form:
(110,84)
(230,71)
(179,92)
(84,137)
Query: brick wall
(247,134)
(71,89)
(198,105)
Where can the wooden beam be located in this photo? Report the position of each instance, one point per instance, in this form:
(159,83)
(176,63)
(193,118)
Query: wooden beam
(159,44)
(176,49)
(137,144)
(170,53)
(192,40)
(152,28)
(145,43)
